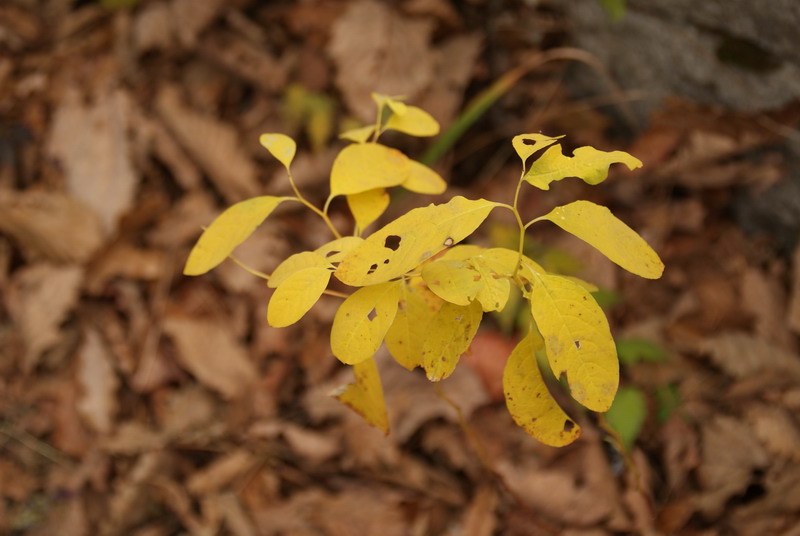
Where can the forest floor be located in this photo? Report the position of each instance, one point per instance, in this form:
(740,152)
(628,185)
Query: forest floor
(137,401)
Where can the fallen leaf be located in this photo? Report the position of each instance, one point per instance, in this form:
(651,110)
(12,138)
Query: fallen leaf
(191,18)
(764,298)
(378,50)
(480,518)
(251,63)
(740,355)
(210,352)
(99,384)
(793,314)
(91,143)
(776,430)
(128,262)
(221,472)
(41,297)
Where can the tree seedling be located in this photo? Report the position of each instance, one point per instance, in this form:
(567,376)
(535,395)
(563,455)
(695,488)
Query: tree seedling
(417,289)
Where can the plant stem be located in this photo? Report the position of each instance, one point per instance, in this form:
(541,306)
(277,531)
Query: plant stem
(267,277)
(321,213)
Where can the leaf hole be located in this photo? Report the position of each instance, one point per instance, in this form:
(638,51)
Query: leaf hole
(372,314)
(392,242)
(568,426)
(372,269)
(578,345)
(385,261)
(528,141)
(332,253)
(448,242)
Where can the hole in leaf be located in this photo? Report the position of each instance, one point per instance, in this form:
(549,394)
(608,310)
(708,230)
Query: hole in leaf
(372,314)
(372,269)
(401,304)
(528,141)
(568,426)
(332,253)
(578,345)
(392,242)
(448,242)
(386,261)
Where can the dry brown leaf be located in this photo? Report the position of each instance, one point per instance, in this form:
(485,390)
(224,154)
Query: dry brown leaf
(211,353)
(15,483)
(236,519)
(191,18)
(153,28)
(487,356)
(740,355)
(91,143)
(776,430)
(186,410)
(49,225)
(167,149)
(221,472)
(378,512)
(213,144)
(133,437)
(480,518)
(764,298)
(376,49)
(98,382)
(793,315)
(730,453)
(184,223)
(40,298)
(128,262)
(244,59)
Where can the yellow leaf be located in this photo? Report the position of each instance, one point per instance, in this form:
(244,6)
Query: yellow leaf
(362,320)
(423,180)
(227,231)
(589,287)
(577,339)
(394,103)
(529,401)
(365,396)
(494,291)
(599,228)
(365,166)
(527,144)
(280,146)
(368,206)
(587,163)
(449,335)
(296,294)
(462,252)
(411,239)
(414,121)
(335,250)
(295,263)
(358,135)
(406,336)
(452,280)
(506,260)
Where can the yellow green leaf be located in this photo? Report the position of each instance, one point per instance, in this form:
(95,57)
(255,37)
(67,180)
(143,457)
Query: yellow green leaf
(368,206)
(362,320)
(527,144)
(494,291)
(365,166)
(411,239)
(296,294)
(449,335)
(365,395)
(414,121)
(587,163)
(423,180)
(358,135)
(452,280)
(394,103)
(598,227)
(529,401)
(227,231)
(577,339)
(295,263)
(407,334)
(335,250)
(280,146)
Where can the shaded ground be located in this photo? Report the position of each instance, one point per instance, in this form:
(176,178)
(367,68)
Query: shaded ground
(137,401)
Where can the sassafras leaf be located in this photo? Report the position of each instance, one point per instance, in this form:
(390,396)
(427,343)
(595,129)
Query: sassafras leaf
(449,335)
(295,263)
(280,146)
(365,396)
(362,320)
(368,206)
(577,339)
(587,163)
(529,401)
(413,121)
(527,144)
(227,231)
(365,166)
(597,226)
(423,180)
(296,294)
(411,239)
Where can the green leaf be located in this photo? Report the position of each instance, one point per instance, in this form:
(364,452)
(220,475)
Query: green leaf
(423,180)
(527,144)
(368,206)
(406,336)
(362,320)
(632,351)
(366,166)
(296,294)
(411,239)
(596,226)
(577,339)
(627,415)
(413,121)
(358,135)
(295,263)
(365,396)
(587,163)
(227,231)
(280,146)
(449,335)
(529,401)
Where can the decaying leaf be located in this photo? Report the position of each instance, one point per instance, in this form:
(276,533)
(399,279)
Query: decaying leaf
(365,396)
